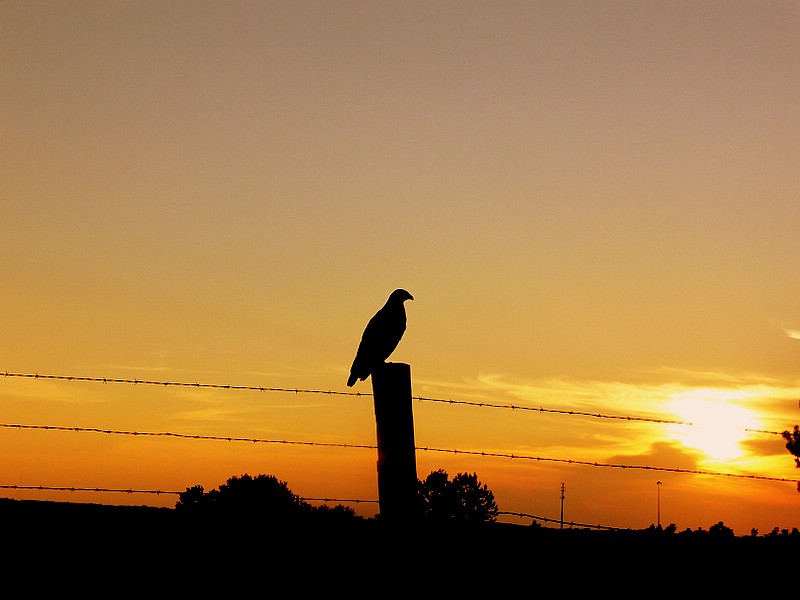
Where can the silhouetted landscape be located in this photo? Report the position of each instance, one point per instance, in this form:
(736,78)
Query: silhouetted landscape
(253,532)
(107,550)
(104,529)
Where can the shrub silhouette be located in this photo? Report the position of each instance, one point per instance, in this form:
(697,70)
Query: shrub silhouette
(260,499)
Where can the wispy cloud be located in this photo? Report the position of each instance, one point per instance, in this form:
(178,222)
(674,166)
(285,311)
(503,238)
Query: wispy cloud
(661,453)
(792,333)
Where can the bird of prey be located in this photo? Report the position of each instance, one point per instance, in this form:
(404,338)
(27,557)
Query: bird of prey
(381,336)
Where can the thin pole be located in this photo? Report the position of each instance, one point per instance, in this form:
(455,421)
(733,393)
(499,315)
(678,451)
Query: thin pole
(658,487)
(562,505)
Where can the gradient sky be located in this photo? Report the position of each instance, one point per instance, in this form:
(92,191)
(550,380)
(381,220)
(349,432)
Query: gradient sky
(594,204)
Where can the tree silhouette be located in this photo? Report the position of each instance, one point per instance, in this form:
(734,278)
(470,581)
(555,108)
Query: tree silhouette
(793,446)
(720,531)
(462,500)
(793,443)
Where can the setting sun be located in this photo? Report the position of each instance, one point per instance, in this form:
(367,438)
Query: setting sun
(718,423)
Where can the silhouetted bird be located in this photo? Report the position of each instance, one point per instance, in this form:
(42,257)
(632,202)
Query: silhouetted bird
(381,336)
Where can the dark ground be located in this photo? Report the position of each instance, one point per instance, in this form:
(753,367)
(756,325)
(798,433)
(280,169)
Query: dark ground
(80,546)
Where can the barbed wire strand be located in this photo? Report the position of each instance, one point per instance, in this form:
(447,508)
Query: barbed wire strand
(540,409)
(52,488)
(570,523)
(346,500)
(254,388)
(191,436)
(86,489)
(374,447)
(562,411)
(56,488)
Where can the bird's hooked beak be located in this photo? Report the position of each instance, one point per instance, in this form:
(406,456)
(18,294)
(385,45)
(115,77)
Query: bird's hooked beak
(401,295)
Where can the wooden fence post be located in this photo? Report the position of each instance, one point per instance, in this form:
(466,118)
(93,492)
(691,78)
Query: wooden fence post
(397,462)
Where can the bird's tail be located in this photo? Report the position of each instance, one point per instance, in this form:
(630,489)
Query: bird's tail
(351,380)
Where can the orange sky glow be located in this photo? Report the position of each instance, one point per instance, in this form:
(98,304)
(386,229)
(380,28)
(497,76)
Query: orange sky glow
(594,205)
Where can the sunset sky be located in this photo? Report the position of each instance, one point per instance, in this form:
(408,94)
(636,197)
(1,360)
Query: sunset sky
(594,204)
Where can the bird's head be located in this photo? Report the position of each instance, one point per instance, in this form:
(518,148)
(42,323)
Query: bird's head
(400,295)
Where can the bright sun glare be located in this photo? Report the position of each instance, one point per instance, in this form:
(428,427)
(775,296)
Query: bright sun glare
(719,423)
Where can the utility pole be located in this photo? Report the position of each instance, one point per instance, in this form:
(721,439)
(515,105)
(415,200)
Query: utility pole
(658,487)
(562,505)
(397,462)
